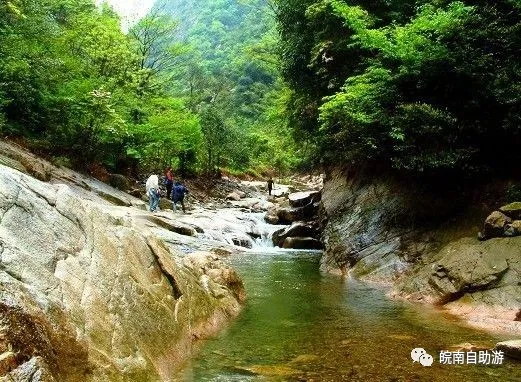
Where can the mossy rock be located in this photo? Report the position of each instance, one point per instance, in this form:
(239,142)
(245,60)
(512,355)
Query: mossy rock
(512,210)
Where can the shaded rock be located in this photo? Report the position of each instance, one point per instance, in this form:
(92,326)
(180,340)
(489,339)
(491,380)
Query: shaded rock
(171,225)
(301,243)
(495,224)
(119,181)
(139,204)
(34,370)
(15,157)
(276,238)
(241,240)
(296,229)
(271,215)
(300,199)
(137,193)
(468,271)
(112,198)
(289,215)
(271,219)
(477,278)
(512,349)
(513,229)
(12,163)
(8,362)
(388,230)
(512,210)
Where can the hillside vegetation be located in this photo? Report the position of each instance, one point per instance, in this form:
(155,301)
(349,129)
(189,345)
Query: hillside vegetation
(425,87)
(196,89)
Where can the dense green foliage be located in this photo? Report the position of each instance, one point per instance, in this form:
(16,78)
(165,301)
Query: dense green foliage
(419,85)
(74,84)
(192,84)
(230,76)
(422,86)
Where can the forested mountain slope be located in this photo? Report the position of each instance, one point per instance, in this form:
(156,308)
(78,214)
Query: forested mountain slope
(420,86)
(193,85)
(230,74)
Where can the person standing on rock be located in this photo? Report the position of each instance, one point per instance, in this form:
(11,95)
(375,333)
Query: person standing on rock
(178,195)
(270,185)
(169,181)
(152,188)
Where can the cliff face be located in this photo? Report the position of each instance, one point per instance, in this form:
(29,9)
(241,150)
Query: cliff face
(87,292)
(423,245)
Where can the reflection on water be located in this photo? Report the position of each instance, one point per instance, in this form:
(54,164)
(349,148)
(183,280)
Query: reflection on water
(301,325)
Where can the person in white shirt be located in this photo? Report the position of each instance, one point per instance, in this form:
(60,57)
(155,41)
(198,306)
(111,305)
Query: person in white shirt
(152,188)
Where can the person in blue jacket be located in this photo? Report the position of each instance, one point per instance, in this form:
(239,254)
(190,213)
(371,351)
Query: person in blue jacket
(178,195)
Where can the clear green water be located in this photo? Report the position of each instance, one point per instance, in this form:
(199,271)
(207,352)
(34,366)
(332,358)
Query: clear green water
(301,325)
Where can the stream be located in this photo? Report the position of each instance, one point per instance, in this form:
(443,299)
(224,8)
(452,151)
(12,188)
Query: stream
(301,325)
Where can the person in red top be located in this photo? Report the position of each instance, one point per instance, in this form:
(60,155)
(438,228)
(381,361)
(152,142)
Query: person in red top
(169,181)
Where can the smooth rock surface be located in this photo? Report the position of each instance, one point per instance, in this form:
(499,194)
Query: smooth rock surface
(299,229)
(88,293)
(300,199)
(301,243)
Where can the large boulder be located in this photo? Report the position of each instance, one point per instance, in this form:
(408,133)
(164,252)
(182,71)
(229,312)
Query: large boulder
(480,280)
(87,293)
(271,218)
(289,215)
(512,210)
(169,224)
(223,277)
(495,224)
(241,239)
(300,199)
(302,243)
(298,229)
(271,215)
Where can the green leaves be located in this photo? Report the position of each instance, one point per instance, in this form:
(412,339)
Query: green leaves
(422,88)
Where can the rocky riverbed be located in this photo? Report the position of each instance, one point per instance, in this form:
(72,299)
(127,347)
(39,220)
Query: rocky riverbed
(88,290)
(425,246)
(95,287)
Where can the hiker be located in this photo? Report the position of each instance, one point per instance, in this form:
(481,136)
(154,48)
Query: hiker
(152,188)
(178,195)
(169,181)
(270,185)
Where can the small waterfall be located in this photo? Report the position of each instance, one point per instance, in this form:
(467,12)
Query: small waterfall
(263,230)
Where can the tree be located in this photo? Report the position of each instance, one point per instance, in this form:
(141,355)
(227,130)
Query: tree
(155,37)
(425,89)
